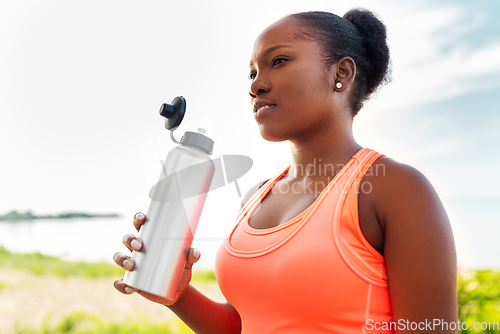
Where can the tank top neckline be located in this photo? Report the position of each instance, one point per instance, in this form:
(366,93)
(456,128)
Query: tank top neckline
(294,225)
(267,188)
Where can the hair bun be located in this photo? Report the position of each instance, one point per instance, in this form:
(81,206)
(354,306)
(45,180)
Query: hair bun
(374,35)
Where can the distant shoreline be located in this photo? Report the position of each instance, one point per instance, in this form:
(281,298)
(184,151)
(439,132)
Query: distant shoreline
(18,216)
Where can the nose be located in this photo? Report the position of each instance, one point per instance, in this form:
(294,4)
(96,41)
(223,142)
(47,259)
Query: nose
(259,86)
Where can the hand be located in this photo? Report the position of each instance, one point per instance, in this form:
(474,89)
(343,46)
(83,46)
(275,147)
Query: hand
(126,262)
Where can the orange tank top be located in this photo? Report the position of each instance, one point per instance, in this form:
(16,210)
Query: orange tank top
(315,273)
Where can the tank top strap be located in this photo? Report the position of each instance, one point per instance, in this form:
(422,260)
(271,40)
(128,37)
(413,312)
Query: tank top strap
(259,194)
(356,251)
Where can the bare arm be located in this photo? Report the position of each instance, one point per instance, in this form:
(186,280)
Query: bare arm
(203,315)
(419,248)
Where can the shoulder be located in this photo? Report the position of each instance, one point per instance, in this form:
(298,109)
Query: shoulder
(250,192)
(411,215)
(387,172)
(391,184)
(401,199)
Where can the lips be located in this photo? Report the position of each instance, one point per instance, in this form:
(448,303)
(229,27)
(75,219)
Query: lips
(264,108)
(261,112)
(261,105)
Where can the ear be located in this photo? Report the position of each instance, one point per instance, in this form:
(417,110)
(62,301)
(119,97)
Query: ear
(344,74)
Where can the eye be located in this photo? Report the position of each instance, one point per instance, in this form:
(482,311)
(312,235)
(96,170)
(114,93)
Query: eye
(278,60)
(252,75)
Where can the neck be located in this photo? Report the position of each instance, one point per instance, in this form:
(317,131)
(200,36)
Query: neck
(324,153)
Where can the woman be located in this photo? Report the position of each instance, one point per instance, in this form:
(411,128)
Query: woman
(344,240)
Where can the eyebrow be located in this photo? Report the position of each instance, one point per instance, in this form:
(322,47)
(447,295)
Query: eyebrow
(270,50)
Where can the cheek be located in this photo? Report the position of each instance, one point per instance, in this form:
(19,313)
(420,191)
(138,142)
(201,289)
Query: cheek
(306,76)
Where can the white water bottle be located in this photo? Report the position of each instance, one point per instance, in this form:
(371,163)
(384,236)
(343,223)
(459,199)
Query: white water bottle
(176,204)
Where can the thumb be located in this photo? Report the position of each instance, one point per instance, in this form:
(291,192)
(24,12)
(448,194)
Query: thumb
(193,257)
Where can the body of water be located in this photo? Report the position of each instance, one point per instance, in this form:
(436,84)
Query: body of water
(92,240)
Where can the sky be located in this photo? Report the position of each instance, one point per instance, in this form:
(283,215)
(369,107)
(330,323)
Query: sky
(81,83)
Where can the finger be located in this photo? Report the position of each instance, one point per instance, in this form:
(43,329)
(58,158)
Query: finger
(139,219)
(193,257)
(123,288)
(131,242)
(124,261)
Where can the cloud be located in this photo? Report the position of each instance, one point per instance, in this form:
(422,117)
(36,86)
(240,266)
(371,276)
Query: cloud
(434,57)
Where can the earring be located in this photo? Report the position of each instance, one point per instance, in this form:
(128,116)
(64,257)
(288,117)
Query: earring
(338,85)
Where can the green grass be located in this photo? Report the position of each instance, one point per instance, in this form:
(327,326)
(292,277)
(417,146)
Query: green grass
(83,323)
(39,264)
(479,298)
(207,276)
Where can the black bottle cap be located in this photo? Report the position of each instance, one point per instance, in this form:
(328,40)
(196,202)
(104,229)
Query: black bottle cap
(174,113)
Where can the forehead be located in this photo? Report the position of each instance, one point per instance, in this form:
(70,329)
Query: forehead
(282,33)
(284,30)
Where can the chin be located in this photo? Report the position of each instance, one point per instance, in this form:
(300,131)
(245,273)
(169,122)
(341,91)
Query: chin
(270,135)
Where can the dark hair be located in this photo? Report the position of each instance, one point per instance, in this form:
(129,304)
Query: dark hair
(359,35)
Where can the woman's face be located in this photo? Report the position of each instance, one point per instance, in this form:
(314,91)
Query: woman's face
(291,92)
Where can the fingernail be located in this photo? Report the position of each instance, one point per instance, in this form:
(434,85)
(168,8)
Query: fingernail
(130,290)
(127,264)
(139,216)
(136,245)
(196,253)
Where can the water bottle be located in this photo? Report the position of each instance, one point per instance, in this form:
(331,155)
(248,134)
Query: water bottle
(177,201)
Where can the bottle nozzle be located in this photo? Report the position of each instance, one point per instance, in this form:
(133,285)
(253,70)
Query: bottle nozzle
(174,113)
(167,110)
